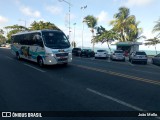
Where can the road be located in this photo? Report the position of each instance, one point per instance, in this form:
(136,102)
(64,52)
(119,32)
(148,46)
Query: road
(85,84)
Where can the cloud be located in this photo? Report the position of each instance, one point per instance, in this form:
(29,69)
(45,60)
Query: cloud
(131,3)
(3,20)
(55,10)
(29,12)
(103,16)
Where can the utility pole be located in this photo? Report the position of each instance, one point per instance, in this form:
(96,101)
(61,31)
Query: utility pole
(74,31)
(69,10)
(83,8)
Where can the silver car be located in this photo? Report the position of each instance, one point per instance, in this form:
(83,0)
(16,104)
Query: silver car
(138,56)
(118,55)
(156,59)
(101,54)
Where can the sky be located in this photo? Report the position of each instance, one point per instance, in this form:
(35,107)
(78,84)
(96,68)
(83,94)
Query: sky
(56,11)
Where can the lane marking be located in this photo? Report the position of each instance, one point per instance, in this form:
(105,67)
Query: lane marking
(119,74)
(27,65)
(118,101)
(35,68)
(9,58)
(115,100)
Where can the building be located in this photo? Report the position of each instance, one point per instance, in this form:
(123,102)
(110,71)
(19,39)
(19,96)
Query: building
(128,46)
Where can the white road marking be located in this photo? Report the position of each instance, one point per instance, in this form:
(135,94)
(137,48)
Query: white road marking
(9,58)
(119,101)
(116,100)
(34,68)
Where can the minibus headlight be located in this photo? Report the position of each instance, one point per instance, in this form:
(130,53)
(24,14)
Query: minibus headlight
(50,54)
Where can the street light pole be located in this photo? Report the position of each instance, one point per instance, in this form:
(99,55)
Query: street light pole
(74,31)
(69,10)
(83,8)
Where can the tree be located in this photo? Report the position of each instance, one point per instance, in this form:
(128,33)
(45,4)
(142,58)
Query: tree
(104,35)
(2,38)
(73,44)
(126,26)
(1,32)
(156,28)
(43,25)
(91,22)
(14,29)
(154,41)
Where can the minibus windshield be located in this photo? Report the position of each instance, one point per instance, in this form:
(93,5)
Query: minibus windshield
(55,40)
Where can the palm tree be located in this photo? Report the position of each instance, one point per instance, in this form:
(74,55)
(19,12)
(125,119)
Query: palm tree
(105,36)
(1,32)
(91,22)
(125,25)
(156,28)
(73,44)
(154,41)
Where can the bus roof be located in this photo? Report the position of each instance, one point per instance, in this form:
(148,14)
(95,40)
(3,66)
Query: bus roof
(25,32)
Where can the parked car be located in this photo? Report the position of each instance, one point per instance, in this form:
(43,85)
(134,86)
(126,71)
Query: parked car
(118,55)
(76,51)
(156,59)
(101,54)
(3,45)
(8,45)
(138,56)
(87,53)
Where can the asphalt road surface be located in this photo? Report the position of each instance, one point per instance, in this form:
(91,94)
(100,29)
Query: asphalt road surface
(84,87)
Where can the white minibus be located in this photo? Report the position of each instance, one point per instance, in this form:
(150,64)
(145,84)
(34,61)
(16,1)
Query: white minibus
(46,47)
